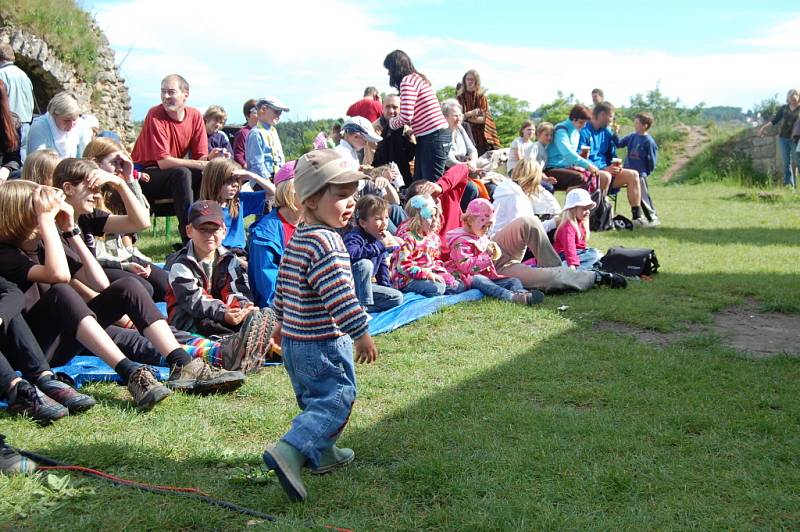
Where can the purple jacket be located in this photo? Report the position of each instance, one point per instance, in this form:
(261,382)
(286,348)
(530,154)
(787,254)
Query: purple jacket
(361,245)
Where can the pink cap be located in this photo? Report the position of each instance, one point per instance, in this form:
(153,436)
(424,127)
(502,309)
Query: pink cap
(285,173)
(482,210)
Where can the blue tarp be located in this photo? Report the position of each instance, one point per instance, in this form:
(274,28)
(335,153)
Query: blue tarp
(83,369)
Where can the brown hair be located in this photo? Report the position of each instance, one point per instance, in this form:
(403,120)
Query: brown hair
(525,124)
(215,174)
(9,140)
(248,106)
(544,126)
(603,107)
(646,119)
(73,171)
(580,112)
(40,165)
(399,66)
(478,88)
(17,212)
(598,92)
(182,83)
(369,205)
(101,147)
(215,111)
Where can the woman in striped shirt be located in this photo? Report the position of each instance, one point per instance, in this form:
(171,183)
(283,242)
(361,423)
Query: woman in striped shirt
(420,109)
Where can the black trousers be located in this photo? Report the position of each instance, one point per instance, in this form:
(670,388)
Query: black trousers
(156,285)
(19,351)
(55,317)
(179,184)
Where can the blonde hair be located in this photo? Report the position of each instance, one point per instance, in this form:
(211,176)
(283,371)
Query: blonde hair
(215,111)
(414,222)
(63,104)
(215,174)
(528,175)
(571,216)
(792,92)
(544,126)
(285,195)
(17,212)
(39,166)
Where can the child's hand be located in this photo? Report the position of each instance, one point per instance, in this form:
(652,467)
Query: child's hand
(234,316)
(436,278)
(494,250)
(47,202)
(551,180)
(275,339)
(389,240)
(138,269)
(65,217)
(365,350)
(144,177)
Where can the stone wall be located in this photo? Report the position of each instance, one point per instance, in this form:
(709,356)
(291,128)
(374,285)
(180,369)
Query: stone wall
(107,97)
(763,151)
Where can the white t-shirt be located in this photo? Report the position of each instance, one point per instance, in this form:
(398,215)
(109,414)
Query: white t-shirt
(529,151)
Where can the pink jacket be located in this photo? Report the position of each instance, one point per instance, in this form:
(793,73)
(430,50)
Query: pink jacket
(468,256)
(416,258)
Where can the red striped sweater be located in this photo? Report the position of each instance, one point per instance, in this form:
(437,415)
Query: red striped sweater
(418,107)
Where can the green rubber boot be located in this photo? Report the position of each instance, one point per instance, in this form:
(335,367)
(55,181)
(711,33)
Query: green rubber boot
(333,458)
(287,462)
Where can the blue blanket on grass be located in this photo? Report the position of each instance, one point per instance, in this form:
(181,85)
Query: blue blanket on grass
(85,369)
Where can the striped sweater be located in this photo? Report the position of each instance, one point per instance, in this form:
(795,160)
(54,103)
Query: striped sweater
(418,107)
(314,294)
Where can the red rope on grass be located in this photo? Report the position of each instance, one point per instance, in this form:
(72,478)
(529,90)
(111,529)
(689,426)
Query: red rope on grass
(122,480)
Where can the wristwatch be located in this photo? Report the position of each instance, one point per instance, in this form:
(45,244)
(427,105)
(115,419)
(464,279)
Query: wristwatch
(75,231)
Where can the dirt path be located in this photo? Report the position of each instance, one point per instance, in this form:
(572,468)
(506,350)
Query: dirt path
(697,140)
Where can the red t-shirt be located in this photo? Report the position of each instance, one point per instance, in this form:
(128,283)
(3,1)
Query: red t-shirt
(288,229)
(366,107)
(163,137)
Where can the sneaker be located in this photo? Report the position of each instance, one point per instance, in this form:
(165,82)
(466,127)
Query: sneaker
(333,458)
(12,462)
(642,223)
(64,394)
(287,462)
(614,280)
(199,377)
(246,350)
(145,388)
(655,221)
(532,297)
(27,400)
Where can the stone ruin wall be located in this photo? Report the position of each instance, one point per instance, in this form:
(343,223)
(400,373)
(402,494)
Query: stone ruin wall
(107,98)
(763,151)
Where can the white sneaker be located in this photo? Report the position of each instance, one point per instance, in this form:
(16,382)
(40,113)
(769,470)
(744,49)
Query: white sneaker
(655,222)
(642,222)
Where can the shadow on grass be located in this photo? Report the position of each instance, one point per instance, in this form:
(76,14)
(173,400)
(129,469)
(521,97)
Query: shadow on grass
(506,432)
(754,236)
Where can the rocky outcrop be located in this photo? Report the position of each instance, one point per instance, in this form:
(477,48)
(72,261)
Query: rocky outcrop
(762,151)
(105,96)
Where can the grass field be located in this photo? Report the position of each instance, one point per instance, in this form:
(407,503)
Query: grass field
(488,416)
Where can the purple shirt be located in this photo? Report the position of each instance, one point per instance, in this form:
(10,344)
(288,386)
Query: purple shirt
(239,145)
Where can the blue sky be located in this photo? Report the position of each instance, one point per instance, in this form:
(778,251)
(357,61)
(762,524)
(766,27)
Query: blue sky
(318,55)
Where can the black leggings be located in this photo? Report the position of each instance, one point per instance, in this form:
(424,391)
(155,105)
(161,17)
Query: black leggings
(55,317)
(180,184)
(19,351)
(156,285)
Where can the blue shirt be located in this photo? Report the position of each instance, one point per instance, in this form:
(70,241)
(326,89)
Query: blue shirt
(642,153)
(249,203)
(602,145)
(563,151)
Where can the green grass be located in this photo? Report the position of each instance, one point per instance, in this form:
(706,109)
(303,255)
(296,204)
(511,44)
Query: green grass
(487,416)
(63,25)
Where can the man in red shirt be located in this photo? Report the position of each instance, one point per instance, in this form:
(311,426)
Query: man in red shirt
(369,106)
(173,149)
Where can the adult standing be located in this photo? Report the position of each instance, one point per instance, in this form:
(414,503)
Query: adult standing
(9,138)
(173,149)
(476,112)
(59,128)
(240,139)
(398,145)
(785,119)
(20,92)
(420,109)
(564,164)
(369,106)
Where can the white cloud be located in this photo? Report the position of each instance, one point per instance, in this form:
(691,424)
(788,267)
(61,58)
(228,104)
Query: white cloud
(318,55)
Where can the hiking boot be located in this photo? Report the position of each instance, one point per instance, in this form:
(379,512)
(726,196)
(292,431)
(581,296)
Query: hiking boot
(145,388)
(532,297)
(247,349)
(287,462)
(333,458)
(64,394)
(26,399)
(12,462)
(199,377)
(614,280)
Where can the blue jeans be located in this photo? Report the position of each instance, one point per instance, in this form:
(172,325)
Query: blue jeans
(502,289)
(470,193)
(324,382)
(373,297)
(427,288)
(431,154)
(397,215)
(587,257)
(789,156)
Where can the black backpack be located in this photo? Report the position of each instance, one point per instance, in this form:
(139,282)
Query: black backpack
(602,216)
(631,262)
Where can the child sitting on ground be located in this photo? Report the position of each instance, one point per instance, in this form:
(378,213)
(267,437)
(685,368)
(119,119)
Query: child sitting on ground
(208,292)
(573,232)
(222,183)
(417,265)
(472,255)
(319,318)
(369,244)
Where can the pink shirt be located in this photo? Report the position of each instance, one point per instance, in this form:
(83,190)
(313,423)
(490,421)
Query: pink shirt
(569,239)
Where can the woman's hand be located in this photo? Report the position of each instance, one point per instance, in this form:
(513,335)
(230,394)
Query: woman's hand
(593,169)
(429,188)
(98,178)
(125,166)
(65,217)
(381,182)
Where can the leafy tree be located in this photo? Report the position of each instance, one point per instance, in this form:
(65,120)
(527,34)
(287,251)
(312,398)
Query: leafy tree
(508,112)
(557,110)
(765,109)
(665,110)
(297,137)
(445,93)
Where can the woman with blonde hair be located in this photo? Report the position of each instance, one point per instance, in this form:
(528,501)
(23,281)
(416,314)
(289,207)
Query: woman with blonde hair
(60,128)
(787,116)
(524,195)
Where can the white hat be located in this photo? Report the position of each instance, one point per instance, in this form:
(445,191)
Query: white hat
(273,102)
(359,124)
(578,197)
